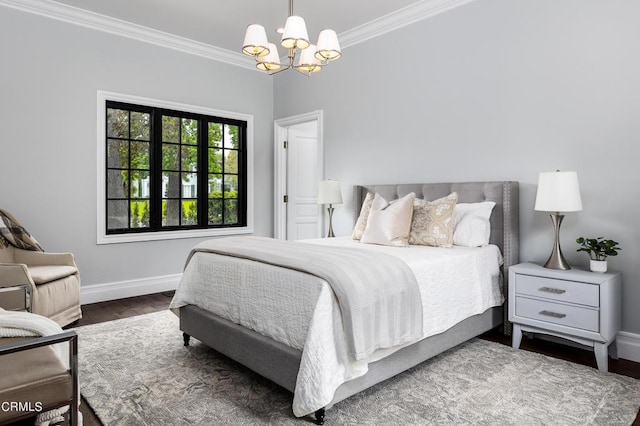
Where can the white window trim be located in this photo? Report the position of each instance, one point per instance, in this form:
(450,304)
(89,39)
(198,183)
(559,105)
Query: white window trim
(102,236)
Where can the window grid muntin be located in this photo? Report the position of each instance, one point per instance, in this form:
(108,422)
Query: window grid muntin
(155,163)
(128,169)
(225,148)
(180,170)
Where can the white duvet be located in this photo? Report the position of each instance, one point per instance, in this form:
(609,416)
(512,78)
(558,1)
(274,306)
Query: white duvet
(301,311)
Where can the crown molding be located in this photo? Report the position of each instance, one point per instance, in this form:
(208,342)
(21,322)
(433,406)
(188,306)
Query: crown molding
(51,9)
(96,21)
(397,19)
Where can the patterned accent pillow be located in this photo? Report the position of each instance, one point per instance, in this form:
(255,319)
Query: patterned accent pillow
(361,223)
(389,223)
(433,222)
(11,232)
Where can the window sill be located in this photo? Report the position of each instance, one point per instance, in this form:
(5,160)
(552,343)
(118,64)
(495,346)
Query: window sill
(170,235)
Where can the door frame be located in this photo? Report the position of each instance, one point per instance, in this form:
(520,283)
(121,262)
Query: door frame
(280,128)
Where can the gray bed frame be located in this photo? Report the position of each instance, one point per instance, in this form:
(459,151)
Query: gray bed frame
(280,363)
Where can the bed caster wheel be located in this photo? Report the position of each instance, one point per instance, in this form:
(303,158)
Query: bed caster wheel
(320,416)
(186,338)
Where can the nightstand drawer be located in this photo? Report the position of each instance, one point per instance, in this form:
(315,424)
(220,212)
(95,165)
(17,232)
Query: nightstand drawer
(558,313)
(560,290)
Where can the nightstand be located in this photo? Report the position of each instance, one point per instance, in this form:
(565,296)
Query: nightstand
(578,305)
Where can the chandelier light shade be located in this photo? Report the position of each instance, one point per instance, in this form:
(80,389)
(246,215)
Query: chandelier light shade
(328,46)
(295,34)
(307,61)
(255,41)
(271,61)
(558,192)
(303,56)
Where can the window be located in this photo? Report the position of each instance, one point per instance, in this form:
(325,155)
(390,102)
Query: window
(171,173)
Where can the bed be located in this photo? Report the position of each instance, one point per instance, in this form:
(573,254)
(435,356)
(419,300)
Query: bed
(283,356)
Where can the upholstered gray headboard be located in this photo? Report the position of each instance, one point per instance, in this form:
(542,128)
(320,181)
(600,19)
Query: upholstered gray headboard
(505,225)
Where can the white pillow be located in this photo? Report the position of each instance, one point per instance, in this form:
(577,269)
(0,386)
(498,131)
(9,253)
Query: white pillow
(361,223)
(389,223)
(472,227)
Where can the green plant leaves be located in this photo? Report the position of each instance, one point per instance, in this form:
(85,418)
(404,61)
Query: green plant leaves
(598,248)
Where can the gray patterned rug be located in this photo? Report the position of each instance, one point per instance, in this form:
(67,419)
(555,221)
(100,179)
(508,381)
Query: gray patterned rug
(135,371)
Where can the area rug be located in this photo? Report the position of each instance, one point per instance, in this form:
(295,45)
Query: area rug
(135,371)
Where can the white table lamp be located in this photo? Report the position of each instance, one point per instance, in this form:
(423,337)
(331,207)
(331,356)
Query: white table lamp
(558,192)
(329,192)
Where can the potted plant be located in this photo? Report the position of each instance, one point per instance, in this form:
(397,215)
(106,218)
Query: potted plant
(599,249)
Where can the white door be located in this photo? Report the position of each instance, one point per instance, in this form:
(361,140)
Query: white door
(298,169)
(303,218)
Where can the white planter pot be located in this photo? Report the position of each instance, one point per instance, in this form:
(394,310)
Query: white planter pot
(598,265)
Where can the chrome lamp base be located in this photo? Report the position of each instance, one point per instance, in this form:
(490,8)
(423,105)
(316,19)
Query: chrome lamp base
(330,210)
(557,260)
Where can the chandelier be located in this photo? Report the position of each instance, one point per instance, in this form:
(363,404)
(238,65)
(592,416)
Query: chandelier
(310,58)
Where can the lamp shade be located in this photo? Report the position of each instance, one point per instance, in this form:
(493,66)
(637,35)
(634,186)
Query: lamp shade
(255,41)
(328,47)
(307,62)
(295,34)
(269,62)
(558,192)
(329,192)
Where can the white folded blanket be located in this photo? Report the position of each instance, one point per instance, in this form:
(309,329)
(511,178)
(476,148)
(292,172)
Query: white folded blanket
(26,324)
(371,288)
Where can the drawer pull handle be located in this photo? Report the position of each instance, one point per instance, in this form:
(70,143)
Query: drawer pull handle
(552,314)
(553,290)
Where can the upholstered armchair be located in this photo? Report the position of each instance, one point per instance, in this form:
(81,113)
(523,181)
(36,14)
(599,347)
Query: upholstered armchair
(44,283)
(35,380)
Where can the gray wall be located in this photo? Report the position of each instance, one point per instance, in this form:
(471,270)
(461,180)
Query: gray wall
(49,74)
(496,90)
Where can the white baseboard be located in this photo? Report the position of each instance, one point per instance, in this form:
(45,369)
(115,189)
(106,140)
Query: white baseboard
(628,346)
(130,288)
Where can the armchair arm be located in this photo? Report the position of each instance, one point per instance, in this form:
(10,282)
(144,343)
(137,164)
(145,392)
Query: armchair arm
(16,287)
(36,342)
(13,274)
(15,298)
(40,258)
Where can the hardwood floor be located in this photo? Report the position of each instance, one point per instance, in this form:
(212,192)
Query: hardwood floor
(123,308)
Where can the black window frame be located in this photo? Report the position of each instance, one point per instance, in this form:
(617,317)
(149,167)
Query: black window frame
(156,170)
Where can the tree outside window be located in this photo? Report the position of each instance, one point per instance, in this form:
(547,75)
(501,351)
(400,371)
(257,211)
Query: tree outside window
(171,170)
